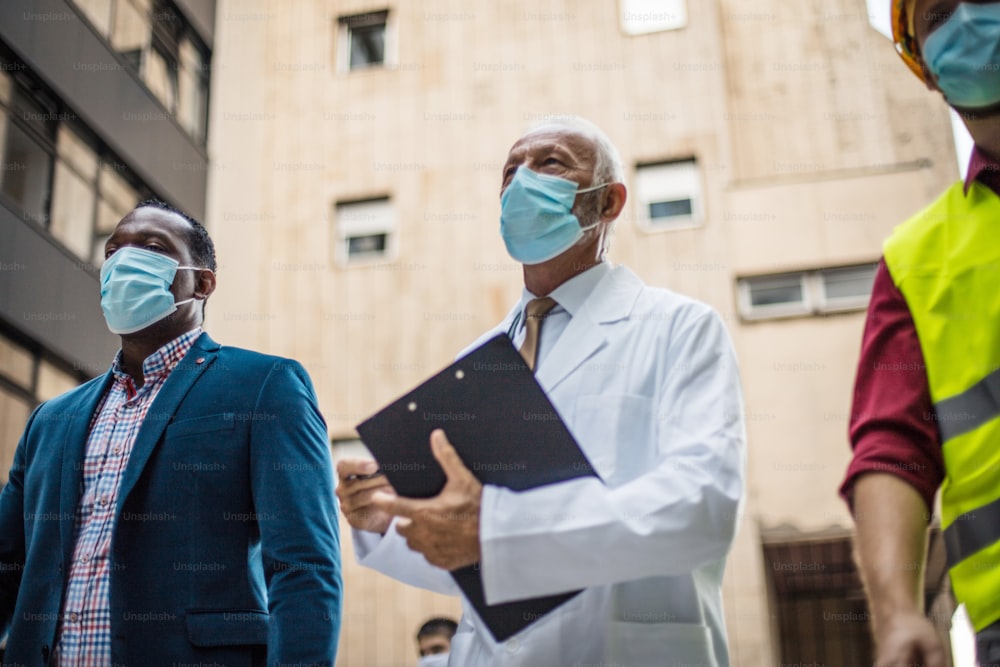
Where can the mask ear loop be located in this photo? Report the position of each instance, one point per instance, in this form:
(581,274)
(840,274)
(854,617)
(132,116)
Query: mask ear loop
(591,188)
(194,298)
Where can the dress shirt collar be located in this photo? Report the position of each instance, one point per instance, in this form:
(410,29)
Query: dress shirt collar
(163,360)
(571,294)
(983,168)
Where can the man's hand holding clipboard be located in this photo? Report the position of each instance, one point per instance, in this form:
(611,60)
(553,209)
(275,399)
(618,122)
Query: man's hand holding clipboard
(505,432)
(360,481)
(369,499)
(453,513)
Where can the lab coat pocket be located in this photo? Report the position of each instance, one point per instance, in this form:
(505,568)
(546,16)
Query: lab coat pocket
(660,645)
(617,432)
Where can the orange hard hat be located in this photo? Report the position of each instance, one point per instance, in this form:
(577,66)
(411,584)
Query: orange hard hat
(906,43)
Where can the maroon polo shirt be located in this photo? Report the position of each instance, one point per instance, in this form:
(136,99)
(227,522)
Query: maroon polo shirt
(892,424)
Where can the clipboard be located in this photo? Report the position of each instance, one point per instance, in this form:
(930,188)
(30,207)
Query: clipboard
(507,433)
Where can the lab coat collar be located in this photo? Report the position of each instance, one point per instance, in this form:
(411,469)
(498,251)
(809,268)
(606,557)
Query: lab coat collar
(610,301)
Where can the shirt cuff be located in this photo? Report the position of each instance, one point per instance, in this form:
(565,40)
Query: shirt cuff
(368,545)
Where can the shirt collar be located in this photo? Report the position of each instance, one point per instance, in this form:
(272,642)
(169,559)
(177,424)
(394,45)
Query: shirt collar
(164,359)
(572,293)
(983,168)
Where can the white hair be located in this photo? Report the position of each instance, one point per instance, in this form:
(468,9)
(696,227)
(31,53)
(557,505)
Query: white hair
(607,162)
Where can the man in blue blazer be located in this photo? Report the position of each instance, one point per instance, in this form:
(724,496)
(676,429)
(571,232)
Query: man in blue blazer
(179,508)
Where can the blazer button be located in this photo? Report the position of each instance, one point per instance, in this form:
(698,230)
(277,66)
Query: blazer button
(45,652)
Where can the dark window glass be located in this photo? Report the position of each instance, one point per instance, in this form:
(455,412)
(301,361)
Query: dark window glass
(774,290)
(31,112)
(157,43)
(848,282)
(26,174)
(367,46)
(366,245)
(49,167)
(670,209)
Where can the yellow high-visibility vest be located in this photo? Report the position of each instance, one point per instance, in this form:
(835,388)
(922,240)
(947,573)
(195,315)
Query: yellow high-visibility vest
(946,262)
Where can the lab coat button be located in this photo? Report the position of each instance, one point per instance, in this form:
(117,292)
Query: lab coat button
(512,646)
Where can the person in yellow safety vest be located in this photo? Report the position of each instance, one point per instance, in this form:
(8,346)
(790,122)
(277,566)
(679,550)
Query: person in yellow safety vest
(926,408)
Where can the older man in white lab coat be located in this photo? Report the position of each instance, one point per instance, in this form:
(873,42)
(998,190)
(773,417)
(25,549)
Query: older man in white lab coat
(647,382)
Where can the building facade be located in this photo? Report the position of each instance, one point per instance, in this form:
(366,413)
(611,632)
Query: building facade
(769,149)
(353,193)
(102,103)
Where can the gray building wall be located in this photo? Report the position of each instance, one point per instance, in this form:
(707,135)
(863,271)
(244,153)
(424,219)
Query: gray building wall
(46,293)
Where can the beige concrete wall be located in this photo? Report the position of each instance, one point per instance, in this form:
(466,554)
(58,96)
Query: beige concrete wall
(813,141)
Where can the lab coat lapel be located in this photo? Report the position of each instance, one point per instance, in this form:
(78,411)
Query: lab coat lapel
(612,300)
(74,440)
(161,412)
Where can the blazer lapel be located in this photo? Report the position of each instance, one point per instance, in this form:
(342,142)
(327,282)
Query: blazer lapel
(161,413)
(74,445)
(612,300)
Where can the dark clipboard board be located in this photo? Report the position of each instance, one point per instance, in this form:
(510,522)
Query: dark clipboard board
(507,433)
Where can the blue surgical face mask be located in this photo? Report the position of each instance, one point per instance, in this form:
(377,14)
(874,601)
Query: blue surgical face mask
(434,660)
(135,289)
(536,216)
(963,55)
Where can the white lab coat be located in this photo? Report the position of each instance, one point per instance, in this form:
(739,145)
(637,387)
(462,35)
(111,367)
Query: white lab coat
(647,382)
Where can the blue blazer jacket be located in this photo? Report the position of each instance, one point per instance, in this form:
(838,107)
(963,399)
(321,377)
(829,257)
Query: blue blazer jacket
(225,547)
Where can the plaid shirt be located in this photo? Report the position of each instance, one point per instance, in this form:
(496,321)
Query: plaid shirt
(85,622)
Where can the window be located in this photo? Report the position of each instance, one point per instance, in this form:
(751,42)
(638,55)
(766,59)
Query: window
(364,231)
(192,89)
(156,42)
(846,288)
(130,30)
(98,12)
(117,197)
(362,40)
(18,363)
(27,378)
(832,290)
(639,17)
(26,172)
(668,195)
(14,411)
(53,380)
(74,195)
(778,295)
(56,174)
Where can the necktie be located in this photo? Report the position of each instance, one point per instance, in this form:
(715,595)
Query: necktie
(534,312)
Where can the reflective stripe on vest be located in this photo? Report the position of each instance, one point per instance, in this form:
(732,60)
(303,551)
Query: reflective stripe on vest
(946,262)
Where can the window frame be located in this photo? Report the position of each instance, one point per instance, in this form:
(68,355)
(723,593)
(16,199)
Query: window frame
(774,310)
(814,302)
(29,392)
(828,304)
(166,40)
(59,118)
(345,26)
(645,172)
(342,234)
